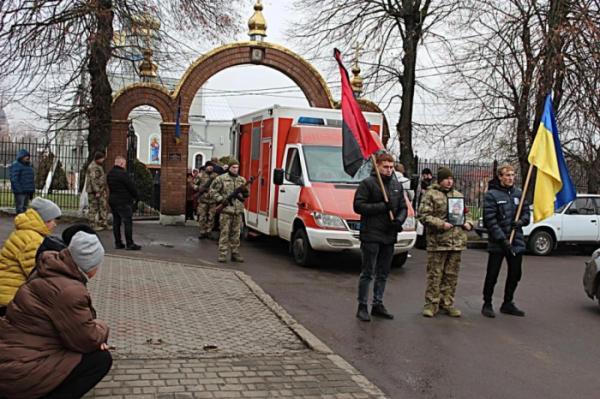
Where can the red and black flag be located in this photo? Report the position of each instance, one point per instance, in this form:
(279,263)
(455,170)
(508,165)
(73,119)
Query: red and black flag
(357,141)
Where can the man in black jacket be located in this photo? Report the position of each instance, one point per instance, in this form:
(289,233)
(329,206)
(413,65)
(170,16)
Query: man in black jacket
(500,208)
(380,223)
(122,196)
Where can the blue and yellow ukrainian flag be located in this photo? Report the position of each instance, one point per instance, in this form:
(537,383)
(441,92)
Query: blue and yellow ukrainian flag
(553,185)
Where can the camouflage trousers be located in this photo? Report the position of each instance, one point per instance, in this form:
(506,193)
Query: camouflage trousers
(98,210)
(442,278)
(231,226)
(206,217)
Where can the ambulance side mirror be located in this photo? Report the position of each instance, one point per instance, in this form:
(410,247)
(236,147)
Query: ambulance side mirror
(278,176)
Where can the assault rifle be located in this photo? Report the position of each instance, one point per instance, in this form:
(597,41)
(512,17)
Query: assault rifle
(234,195)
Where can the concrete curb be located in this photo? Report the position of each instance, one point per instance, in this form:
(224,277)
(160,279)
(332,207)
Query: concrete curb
(309,338)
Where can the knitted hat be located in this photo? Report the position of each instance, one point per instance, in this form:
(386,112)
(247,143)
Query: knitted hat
(443,173)
(69,232)
(232,162)
(86,250)
(47,209)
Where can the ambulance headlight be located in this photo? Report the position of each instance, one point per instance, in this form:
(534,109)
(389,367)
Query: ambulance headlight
(329,221)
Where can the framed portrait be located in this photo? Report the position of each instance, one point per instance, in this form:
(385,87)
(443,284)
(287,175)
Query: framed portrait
(456,211)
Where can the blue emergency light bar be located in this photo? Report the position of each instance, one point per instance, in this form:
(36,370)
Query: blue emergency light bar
(308,120)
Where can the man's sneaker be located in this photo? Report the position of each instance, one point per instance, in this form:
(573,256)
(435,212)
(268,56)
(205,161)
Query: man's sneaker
(119,246)
(451,311)
(237,258)
(428,311)
(380,311)
(134,247)
(363,313)
(511,309)
(222,258)
(488,311)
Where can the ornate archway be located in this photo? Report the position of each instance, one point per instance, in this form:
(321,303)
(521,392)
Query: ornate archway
(174,154)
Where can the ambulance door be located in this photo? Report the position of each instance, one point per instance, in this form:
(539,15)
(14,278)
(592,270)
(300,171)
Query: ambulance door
(289,192)
(255,147)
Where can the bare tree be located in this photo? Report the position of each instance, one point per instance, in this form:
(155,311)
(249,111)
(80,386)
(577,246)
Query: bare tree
(390,33)
(518,52)
(46,46)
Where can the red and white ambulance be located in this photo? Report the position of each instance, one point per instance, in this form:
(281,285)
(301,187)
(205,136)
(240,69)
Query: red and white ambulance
(301,192)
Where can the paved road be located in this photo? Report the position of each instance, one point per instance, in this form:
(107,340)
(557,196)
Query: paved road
(551,353)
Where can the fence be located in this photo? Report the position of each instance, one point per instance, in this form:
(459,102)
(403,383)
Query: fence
(59,173)
(472,179)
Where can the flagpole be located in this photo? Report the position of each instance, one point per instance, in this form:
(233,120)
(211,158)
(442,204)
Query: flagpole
(520,208)
(380,180)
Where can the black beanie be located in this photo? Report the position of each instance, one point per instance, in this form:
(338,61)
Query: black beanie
(443,173)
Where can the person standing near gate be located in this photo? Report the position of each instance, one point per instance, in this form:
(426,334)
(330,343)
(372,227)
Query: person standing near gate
(443,212)
(378,233)
(22,180)
(230,191)
(97,194)
(500,208)
(121,199)
(206,204)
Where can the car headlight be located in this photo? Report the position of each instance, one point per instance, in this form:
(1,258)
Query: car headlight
(329,221)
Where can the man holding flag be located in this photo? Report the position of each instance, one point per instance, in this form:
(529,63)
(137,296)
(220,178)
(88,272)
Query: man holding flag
(379,200)
(504,217)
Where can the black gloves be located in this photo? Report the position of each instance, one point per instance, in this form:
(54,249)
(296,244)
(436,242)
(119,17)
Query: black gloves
(397,225)
(516,225)
(507,246)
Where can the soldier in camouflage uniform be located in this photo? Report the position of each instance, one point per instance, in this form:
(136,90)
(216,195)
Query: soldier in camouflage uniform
(206,204)
(230,219)
(445,242)
(97,193)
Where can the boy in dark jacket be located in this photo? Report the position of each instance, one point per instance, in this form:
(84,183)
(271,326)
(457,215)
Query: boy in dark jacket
(380,223)
(22,180)
(500,208)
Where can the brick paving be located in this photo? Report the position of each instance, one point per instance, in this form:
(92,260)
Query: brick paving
(183,331)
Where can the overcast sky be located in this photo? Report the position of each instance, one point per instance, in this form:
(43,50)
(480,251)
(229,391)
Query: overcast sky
(278,14)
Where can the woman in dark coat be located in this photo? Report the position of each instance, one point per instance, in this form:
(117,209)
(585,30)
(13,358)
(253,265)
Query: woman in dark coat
(51,344)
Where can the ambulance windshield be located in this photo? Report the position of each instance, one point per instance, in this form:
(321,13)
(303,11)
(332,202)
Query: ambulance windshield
(324,164)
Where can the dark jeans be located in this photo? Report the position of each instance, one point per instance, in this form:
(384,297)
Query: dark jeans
(376,260)
(122,213)
(512,278)
(86,375)
(189,210)
(21,201)
(2,311)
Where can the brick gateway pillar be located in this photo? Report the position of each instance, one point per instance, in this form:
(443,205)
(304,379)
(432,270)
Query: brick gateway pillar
(173,171)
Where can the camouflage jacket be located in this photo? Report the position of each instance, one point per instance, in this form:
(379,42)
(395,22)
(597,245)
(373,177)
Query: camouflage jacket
(433,213)
(95,179)
(202,180)
(223,186)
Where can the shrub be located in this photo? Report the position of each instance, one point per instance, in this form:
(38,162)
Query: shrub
(143,181)
(59,178)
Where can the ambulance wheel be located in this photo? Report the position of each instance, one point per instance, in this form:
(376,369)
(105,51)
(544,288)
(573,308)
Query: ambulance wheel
(302,252)
(399,260)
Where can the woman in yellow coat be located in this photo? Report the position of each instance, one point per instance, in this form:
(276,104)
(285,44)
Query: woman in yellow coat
(17,257)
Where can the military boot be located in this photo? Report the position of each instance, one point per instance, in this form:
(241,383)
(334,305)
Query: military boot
(511,309)
(451,311)
(380,311)
(236,257)
(222,258)
(363,313)
(488,311)
(429,310)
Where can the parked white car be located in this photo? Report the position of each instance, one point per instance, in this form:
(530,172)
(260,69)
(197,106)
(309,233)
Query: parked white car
(575,223)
